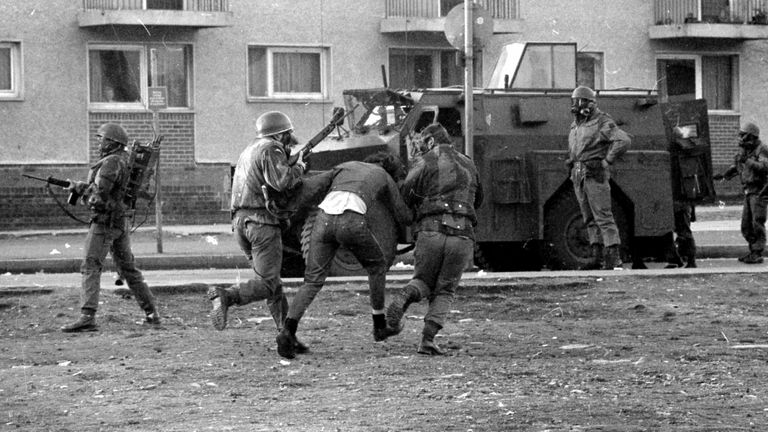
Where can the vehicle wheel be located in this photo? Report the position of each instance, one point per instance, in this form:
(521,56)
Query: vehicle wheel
(565,235)
(380,220)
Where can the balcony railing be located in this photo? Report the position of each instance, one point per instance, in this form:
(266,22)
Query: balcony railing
(669,12)
(183,5)
(185,13)
(499,9)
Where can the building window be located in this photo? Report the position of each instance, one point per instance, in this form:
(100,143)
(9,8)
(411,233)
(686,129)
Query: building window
(120,75)
(287,72)
(710,77)
(424,68)
(165,4)
(10,70)
(589,69)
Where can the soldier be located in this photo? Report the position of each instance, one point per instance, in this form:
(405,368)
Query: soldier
(444,188)
(262,173)
(751,164)
(341,222)
(594,143)
(109,229)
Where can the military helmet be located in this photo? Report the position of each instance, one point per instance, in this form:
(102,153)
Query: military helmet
(113,132)
(272,123)
(750,128)
(583,92)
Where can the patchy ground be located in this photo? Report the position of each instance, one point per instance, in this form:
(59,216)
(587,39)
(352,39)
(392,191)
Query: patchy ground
(614,354)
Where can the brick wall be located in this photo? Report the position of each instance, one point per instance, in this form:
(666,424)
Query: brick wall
(723,130)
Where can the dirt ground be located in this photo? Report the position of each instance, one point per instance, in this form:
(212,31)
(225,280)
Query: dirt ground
(620,353)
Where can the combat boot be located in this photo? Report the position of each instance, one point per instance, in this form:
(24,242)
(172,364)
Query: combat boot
(428,346)
(86,323)
(689,252)
(153,318)
(381,331)
(398,306)
(755,257)
(286,339)
(596,257)
(612,258)
(222,299)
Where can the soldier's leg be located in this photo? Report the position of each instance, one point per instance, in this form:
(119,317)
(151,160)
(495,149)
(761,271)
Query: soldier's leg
(746,224)
(599,193)
(124,260)
(456,253)
(97,244)
(583,198)
(427,262)
(757,242)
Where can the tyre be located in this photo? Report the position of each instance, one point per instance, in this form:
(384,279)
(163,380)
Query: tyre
(565,235)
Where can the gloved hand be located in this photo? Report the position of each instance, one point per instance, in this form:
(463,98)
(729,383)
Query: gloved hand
(78,187)
(718,177)
(752,163)
(605,163)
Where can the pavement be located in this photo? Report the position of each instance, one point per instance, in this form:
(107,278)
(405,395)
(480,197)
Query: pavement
(202,255)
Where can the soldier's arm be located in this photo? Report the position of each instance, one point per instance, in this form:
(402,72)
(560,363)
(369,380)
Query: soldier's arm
(277,173)
(409,186)
(618,139)
(760,162)
(403,214)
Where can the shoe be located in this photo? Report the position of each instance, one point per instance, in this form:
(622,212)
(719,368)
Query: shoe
(428,347)
(596,257)
(744,257)
(220,305)
(286,344)
(612,258)
(300,348)
(86,323)
(380,334)
(753,258)
(153,318)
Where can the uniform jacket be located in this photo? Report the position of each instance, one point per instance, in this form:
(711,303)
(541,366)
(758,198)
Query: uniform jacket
(444,182)
(264,162)
(752,166)
(596,137)
(371,183)
(107,179)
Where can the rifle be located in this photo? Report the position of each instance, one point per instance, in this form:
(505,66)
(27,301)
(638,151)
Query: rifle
(73,195)
(337,119)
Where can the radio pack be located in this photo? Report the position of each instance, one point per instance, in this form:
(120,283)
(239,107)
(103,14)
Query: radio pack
(141,163)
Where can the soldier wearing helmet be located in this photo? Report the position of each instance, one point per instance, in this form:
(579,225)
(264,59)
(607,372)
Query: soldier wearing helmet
(262,173)
(109,229)
(751,165)
(594,143)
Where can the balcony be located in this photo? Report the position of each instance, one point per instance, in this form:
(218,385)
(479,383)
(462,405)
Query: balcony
(177,13)
(429,15)
(709,19)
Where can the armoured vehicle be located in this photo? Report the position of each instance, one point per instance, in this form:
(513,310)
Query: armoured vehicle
(530,218)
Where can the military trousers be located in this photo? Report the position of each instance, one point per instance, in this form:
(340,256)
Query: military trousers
(439,262)
(100,240)
(594,199)
(753,216)
(349,230)
(262,244)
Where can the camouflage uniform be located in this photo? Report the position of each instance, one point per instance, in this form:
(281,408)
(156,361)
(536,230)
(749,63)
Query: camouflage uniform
(109,231)
(444,188)
(752,167)
(257,230)
(590,142)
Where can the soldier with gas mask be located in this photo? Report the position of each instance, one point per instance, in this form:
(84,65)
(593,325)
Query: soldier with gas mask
(262,175)
(594,143)
(751,164)
(109,229)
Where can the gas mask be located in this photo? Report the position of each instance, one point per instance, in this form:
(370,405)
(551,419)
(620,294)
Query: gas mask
(747,141)
(107,146)
(582,107)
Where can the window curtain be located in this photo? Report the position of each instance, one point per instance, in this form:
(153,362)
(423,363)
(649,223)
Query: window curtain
(716,79)
(172,74)
(296,72)
(257,72)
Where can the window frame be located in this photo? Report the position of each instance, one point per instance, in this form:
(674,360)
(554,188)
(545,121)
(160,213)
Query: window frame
(144,71)
(699,79)
(16,92)
(435,54)
(324,51)
(599,75)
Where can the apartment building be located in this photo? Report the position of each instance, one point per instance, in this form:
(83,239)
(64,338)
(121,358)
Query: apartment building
(66,66)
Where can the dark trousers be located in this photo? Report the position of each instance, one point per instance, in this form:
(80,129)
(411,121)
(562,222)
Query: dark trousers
(349,230)
(753,221)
